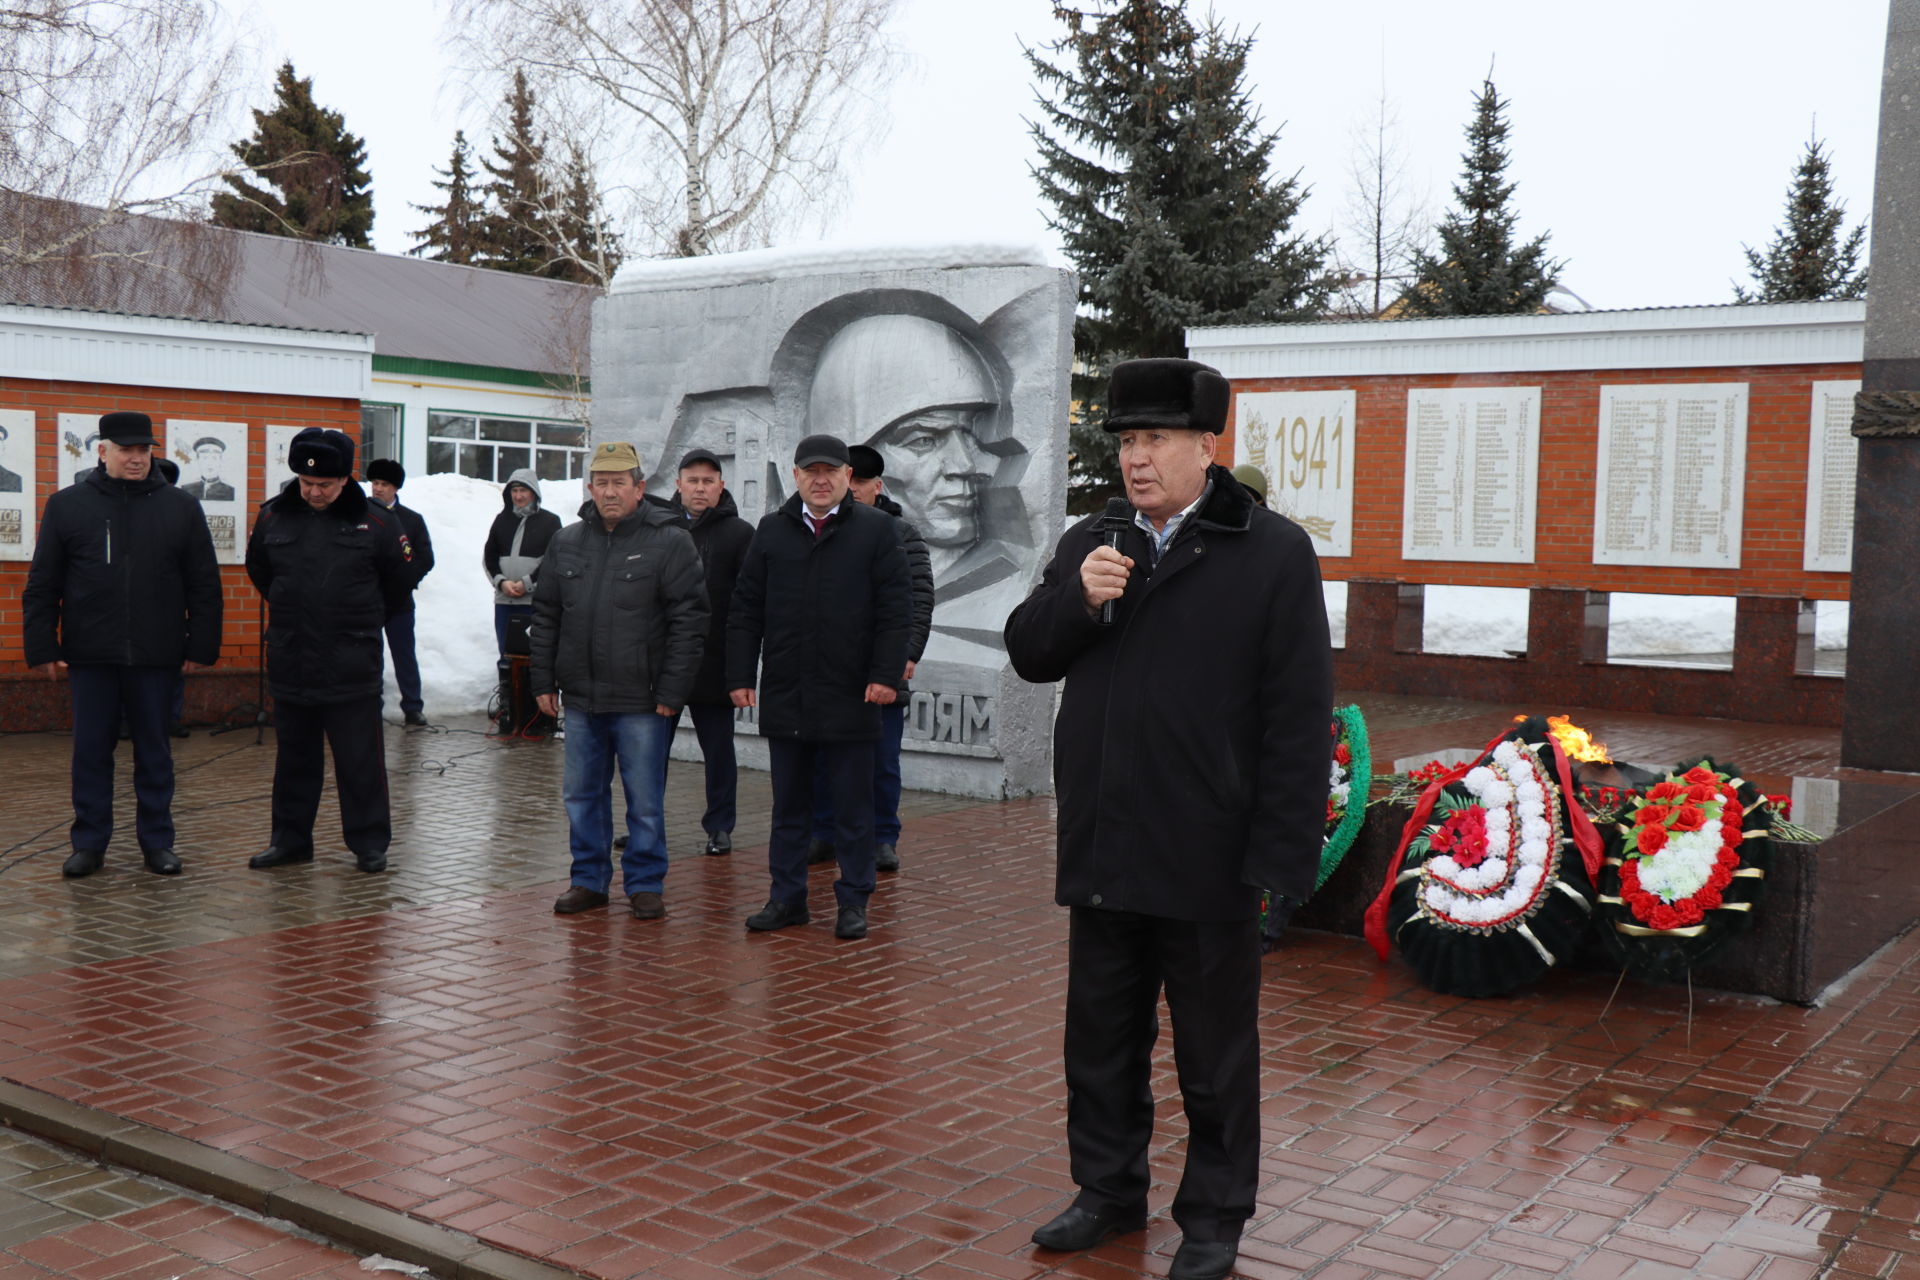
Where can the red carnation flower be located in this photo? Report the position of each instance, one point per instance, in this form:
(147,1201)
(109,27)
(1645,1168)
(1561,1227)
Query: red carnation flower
(1666,791)
(1650,814)
(1689,817)
(1464,835)
(1651,840)
(1699,775)
(1703,793)
(1342,755)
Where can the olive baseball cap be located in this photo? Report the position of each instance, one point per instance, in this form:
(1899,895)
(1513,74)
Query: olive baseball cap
(615,455)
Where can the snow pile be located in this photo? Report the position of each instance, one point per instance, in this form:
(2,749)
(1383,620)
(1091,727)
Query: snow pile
(453,609)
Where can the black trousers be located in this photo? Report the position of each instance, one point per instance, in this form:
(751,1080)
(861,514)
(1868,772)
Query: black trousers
(1117,963)
(849,773)
(102,696)
(354,731)
(713,725)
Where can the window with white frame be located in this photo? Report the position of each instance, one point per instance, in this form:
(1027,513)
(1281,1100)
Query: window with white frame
(493,448)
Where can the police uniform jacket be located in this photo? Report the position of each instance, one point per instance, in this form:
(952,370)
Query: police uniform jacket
(826,616)
(123,574)
(331,578)
(1192,749)
(419,542)
(619,615)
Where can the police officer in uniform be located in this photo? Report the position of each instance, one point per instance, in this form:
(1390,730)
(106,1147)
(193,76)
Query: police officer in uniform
(333,567)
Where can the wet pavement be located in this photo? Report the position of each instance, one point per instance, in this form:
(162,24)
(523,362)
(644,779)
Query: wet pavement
(681,1099)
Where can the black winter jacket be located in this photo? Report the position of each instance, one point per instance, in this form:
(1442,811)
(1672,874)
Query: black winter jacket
(920,568)
(824,617)
(331,578)
(123,574)
(619,615)
(1192,751)
(721,538)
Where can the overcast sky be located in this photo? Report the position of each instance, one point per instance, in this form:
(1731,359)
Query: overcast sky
(1651,138)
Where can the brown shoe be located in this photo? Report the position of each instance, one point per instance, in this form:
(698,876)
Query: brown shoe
(647,906)
(577,899)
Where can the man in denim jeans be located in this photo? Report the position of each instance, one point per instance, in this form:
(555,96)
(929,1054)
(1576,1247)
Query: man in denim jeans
(619,620)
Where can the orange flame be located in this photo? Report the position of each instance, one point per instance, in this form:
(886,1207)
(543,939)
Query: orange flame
(1577,742)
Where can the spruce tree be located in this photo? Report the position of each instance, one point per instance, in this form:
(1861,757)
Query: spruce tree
(315,173)
(589,249)
(1158,171)
(1808,260)
(455,233)
(1477,268)
(520,203)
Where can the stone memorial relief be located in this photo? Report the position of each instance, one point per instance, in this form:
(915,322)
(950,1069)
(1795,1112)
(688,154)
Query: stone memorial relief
(1302,441)
(212,457)
(1472,474)
(1832,454)
(1670,477)
(952,363)
(17,485)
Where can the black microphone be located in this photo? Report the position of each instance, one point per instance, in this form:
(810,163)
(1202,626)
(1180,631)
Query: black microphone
(1119,515)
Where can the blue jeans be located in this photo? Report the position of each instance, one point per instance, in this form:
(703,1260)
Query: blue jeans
(886,782)
(637,742)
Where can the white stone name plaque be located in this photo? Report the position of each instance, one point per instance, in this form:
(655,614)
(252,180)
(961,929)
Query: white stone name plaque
(17,484)
(1303,442)
(1669,486)
(1472,474)
(1832,455)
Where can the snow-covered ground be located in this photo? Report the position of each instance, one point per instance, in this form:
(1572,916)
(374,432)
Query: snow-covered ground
(453,609)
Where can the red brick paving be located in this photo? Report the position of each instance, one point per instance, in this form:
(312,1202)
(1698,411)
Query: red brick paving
(682,1099)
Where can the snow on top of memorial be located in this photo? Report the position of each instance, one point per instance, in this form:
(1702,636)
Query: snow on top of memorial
(453,609)
(814,259)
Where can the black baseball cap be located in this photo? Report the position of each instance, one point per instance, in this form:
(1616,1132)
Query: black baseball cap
(695,457)
(814,449)
(867,462)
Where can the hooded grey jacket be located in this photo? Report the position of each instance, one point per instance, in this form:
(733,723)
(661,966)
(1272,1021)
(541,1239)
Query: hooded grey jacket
(516,543)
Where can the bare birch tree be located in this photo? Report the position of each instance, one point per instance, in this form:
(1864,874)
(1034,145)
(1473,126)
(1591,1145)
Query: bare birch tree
(107,108)
(1386,223)
(730,116)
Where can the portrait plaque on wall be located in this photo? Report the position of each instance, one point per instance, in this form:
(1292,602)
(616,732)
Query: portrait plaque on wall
(1472,474)
(17,484)
(212,457)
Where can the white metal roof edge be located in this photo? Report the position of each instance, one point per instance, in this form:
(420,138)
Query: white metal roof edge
(1665,337)
(753,265)
(80,319)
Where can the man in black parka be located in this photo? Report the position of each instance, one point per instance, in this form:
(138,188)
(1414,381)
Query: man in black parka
(385,478)
(823,605)
(706,510)
(1190,767)
(123,591)
(334,567)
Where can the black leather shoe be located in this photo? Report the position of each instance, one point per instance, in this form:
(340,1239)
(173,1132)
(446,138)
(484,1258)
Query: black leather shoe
(161,861)
(819,851)
(852,923)
(1078,1228)
(370,862)
(778,915)
(83,862)
(577,899)
(275,856)
(886,858)
(646,906)
(719,844)
(1203,1260)
(415,720)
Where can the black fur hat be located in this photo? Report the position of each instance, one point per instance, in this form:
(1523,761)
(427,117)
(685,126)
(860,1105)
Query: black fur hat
(1180,395)
(387,469)
(321,454)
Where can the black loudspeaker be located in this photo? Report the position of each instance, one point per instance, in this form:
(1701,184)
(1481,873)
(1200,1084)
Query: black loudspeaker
(519,641)
(519,713)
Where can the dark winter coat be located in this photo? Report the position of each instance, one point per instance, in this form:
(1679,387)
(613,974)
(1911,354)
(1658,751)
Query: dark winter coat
(418,548)
(920,567)
(331,578)
(123,574)
(1192,750)
(619,616)
(721,538)
(825,617)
